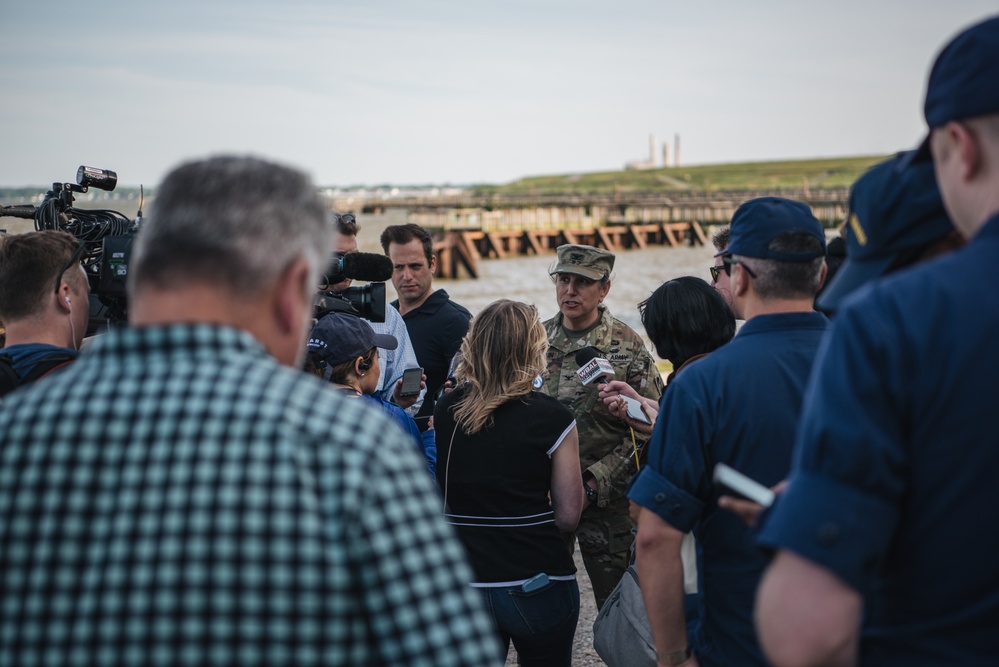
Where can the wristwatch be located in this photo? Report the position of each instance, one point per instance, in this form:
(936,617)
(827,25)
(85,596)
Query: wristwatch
(591,493)
(674,658)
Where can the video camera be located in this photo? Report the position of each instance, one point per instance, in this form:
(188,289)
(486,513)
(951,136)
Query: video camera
(367,301)
(106,236)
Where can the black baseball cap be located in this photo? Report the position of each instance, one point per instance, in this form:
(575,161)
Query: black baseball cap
(964,81)
(758,222)
(895,208)
(340,337)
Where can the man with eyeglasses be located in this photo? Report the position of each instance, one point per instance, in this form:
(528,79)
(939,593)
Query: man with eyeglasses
(43,304)
(738,406)
(720,279)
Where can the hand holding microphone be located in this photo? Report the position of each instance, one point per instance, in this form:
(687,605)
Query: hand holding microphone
(593,368)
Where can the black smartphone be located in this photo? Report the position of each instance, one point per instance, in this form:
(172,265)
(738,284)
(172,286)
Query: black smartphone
(411,379)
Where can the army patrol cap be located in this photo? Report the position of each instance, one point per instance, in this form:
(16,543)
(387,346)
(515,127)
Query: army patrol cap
(584,260)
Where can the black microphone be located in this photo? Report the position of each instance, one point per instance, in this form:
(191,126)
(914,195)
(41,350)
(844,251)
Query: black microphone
(367,266)
(593,367)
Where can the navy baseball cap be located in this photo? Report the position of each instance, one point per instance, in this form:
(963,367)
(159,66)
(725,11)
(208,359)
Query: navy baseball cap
(895,208)
(340,337)
(758,222)
(964,81)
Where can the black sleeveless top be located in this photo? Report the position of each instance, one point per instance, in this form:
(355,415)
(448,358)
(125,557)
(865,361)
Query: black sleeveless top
(496,485)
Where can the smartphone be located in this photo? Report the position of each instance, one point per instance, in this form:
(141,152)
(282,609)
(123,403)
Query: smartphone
(534,583)
(636,410)
(411,378)
(748,488)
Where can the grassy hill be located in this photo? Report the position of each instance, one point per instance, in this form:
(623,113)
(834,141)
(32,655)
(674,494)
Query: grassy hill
(820,173)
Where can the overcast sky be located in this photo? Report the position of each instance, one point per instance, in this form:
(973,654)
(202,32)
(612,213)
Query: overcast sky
(386,91)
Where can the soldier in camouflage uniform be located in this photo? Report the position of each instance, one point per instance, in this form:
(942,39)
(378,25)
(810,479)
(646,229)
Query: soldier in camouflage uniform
(606,451)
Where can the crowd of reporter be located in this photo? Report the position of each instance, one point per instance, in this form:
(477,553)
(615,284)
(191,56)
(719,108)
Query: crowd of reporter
(235,480)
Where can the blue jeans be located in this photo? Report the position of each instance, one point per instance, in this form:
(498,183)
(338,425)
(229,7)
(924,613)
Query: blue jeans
(542,623)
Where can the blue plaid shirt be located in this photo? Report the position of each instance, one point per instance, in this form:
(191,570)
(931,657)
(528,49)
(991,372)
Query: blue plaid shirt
(176,496)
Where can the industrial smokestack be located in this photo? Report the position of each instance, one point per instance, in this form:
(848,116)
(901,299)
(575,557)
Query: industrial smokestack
(676,149)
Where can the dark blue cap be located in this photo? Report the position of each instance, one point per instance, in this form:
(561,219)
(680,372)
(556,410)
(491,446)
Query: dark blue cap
(758,222)
(964,81)
(340,337)
(895,208)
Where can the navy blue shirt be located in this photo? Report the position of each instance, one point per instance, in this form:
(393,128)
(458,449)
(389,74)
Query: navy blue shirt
(895,485)
(436,329)
(738,406)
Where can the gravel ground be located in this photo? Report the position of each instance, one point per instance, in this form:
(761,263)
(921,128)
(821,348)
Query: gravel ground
(583,654)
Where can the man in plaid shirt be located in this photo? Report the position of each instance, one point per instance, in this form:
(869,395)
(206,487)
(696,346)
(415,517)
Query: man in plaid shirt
(184,495)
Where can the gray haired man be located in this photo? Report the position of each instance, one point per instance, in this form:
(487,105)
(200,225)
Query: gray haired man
(183,495)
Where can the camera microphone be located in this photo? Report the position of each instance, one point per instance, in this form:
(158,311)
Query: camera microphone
(593,368)
(367,266)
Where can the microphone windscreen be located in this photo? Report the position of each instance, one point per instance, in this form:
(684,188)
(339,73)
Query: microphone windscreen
(586,355)
(367,266)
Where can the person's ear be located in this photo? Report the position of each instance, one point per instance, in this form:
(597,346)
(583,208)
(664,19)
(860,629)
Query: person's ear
(739,283)
(281,321)
(968,147)
(64,297)
(433,262)
(360,366)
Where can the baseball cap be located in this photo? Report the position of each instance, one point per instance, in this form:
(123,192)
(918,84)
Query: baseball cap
(963,80)
(758,222)
(340,337)
(895,207)
(584,260)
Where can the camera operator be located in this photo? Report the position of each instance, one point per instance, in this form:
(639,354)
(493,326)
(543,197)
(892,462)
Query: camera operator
(394,361)
(43,305)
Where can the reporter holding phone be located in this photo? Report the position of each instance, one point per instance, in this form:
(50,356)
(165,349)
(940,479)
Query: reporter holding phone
(508,468)
(344,348)
(685,318)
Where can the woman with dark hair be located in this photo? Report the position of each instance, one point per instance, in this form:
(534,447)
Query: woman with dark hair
(508,468)
(685,318)
(343,349)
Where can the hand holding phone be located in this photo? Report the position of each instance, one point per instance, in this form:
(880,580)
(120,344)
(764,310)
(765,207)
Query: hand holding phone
(412,379)
(745,487)
(636,410)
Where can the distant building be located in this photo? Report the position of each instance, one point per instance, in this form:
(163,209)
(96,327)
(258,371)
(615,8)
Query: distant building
(645,164)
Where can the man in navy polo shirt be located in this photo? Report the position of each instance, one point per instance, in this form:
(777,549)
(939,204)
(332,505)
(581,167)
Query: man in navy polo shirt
(739,406)
(886,535)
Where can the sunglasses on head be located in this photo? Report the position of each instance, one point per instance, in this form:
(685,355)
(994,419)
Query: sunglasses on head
(73,261)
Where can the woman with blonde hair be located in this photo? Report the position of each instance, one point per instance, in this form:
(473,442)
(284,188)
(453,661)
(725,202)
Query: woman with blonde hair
(508,468)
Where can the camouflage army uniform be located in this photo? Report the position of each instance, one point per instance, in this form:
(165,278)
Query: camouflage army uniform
(605,447)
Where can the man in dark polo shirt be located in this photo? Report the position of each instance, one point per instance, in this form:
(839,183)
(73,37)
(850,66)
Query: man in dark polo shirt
(436,324)
(885,537)
(738,406)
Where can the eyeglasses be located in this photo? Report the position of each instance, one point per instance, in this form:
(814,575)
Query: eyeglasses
(716,271)
(73,261)
(728,261)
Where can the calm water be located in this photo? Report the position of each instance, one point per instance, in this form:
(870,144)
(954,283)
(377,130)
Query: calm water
(636,274)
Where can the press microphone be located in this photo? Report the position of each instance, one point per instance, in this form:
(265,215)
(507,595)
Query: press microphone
(593,368)
(366,266)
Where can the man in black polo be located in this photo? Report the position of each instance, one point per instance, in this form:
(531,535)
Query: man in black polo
(436,324)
